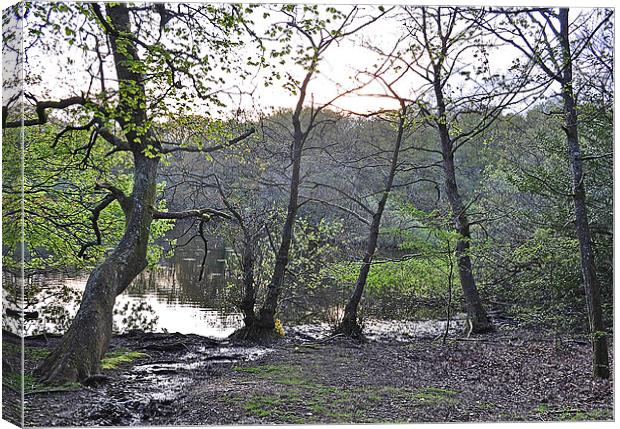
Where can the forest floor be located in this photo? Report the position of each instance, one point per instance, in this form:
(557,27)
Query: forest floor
(309,377)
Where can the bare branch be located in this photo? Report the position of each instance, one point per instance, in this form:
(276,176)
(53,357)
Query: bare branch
(178,147)
(198,213)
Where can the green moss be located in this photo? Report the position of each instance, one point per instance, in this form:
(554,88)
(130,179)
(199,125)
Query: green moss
(30,353)
(486,406)
(114,359)
(266,369)
(261,406)
(582,415)
(282,374)
(273,406)
(31,385)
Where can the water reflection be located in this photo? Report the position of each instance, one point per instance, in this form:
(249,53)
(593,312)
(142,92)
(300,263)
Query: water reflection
(173,297)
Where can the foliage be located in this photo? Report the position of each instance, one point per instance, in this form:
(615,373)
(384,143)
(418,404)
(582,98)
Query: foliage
(59,202)
(306,291)
(420,279)
(549,293)
(531,255)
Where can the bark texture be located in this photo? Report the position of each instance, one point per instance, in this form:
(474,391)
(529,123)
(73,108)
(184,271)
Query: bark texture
(591,283)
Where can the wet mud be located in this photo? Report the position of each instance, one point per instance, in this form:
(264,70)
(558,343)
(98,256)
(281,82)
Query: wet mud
(404,372)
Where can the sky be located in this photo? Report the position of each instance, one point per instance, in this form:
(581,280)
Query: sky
(337,67)
(340,62)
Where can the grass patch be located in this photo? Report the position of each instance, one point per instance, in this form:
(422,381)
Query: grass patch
(264,370)
(275,406)
(583,415)
(486,406)
(577,415)
(113,359)
(435,396)
(282,374)
(295,395)
(300,399)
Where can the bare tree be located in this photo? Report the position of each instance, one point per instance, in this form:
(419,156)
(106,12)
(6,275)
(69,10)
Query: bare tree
(547,42)
(463,99)
(317,38)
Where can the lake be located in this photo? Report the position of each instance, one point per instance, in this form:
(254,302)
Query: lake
(172,297)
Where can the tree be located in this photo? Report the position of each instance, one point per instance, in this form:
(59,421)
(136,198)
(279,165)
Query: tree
(144,65)
(403,121)
(349,324)
(544,37)
(317,37)
(466,97)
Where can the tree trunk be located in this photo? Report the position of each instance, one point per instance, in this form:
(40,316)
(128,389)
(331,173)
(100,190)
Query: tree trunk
(81,349)
(249,292)
(349,325)
(476,315)
(266,318)
(590,281)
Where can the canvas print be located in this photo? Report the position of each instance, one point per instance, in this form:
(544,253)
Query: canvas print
(254,214)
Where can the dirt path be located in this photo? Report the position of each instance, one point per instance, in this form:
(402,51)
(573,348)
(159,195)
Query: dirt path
(189,380)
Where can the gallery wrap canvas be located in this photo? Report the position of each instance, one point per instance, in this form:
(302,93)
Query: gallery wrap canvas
(307,213)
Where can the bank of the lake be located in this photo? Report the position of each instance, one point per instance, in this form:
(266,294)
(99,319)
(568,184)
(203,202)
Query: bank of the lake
(310,377)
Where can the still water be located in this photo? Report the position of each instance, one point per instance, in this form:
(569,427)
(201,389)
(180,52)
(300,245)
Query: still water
(173,297)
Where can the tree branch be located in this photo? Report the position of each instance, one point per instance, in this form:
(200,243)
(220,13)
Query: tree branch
(177,147)
(199,213)
(123,200)
(41,111)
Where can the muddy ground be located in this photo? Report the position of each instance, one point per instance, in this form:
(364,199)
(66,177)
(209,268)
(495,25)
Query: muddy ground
(401,374)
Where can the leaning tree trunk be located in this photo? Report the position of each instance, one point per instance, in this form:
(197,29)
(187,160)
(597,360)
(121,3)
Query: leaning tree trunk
(79,353)
(590,281)
(349,325)
(476,315)
(266,317)
(81,349)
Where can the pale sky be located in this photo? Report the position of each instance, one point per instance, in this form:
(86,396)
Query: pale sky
(338,66)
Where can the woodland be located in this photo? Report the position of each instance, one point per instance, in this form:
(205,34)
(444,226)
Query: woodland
(375,170)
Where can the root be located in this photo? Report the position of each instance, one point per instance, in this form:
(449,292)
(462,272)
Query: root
(349,327)
(254,333)
(473,326)
(71,361)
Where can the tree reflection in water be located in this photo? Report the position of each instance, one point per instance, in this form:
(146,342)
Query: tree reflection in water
(167,298)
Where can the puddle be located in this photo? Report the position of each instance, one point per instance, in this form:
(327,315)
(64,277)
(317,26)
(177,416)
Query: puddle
(384,330)
(203,358)
(381,330)
(243,353)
